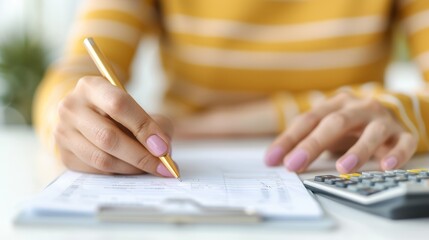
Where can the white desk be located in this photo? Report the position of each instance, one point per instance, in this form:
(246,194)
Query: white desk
(25,170)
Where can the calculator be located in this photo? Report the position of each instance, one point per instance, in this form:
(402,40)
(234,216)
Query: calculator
(396,194)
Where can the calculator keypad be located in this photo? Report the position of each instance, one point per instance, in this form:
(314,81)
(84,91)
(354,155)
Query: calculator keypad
(372,182)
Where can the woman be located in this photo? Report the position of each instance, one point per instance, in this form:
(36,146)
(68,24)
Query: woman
(312,70)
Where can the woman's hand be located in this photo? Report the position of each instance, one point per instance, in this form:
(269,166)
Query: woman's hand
(332,125)
(101,129)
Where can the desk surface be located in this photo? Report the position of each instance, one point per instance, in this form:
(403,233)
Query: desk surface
(25,169)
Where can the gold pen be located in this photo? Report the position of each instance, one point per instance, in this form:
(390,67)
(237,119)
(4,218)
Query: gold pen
(107,71)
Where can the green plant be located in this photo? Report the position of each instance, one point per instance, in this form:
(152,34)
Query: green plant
(23,62)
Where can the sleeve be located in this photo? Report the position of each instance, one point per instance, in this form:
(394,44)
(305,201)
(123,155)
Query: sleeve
(411,109)
(117,27)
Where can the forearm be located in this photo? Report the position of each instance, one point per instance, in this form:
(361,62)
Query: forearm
(255,118)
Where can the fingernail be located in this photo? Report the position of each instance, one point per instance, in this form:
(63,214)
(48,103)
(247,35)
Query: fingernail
(349,162)
(156,145)
(161,169)
(296,160)
(390,163)
(274,156)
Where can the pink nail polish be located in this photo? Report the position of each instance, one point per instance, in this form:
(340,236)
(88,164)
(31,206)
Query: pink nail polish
(349,162)
(296,160)
(274,156)
(161,169)
(390,163)
(156,145)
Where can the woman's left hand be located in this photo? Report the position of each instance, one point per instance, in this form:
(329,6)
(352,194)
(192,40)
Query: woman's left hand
(362,126)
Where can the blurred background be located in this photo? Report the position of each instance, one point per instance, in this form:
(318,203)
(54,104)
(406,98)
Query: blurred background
(33,33)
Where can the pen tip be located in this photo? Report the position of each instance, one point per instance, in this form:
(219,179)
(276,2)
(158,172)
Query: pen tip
(179,179)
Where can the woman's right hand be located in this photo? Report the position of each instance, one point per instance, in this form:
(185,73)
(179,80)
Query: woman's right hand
(101,129)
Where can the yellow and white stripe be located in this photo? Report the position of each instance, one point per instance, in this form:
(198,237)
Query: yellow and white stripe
(230,52)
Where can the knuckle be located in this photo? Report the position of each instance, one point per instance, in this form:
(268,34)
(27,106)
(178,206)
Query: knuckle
(107,138)
(65,106)
(373,105)
(116,102)
(101,160)
(288,138)
(142,126)
(143,162)
(85,82)
(336,120)
(310,117)
(313,144)
(379,130)
(364,149)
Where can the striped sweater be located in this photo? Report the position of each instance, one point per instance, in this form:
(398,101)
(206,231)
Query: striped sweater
(214,53)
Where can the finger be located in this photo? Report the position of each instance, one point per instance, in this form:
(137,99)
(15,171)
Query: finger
(331,129)
(165,124)
(401,153)
(373,137)
(72,162)
(300,128)
(343,145)
(125,110)
(95,157)
(109,138)
(383,150)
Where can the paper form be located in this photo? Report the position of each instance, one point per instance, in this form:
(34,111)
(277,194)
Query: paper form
(274,193)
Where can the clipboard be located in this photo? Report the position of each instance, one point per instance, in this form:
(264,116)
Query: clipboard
(173,210)
(178,211)
(140,216)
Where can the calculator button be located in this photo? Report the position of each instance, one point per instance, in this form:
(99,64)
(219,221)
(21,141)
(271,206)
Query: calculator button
(372,182)
(402,174)
(361,178)
(377,180)
(418,170)
(398,179)
(419,178)
(332,181)
(424,173)
(386,174)
(399,171)
(322,178)
(412,174)
(350,175)
(355,179)
(372,173)
(367,182)
(344,184)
